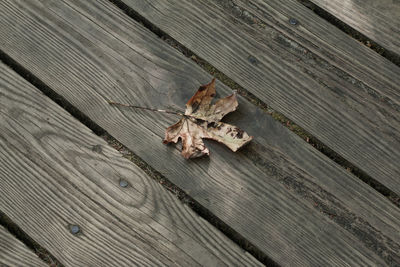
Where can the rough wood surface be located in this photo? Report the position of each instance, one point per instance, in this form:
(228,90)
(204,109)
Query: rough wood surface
(15,253)
(56,173)
(378,20)
(338,90)
(279,193)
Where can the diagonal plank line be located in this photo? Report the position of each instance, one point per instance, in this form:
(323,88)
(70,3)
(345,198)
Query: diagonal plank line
(201,228)
(268,178)
(202,211)
(301,132)
(14,229)
(383,149)
(343,26)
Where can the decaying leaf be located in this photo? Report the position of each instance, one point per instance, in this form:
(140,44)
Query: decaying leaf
(202,120)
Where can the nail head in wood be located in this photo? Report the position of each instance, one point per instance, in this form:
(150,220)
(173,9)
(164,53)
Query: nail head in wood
(293,21)
(123,183)
(252,60)
(75,229)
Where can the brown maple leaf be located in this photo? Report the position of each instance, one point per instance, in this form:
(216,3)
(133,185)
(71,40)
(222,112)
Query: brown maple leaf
(202,120)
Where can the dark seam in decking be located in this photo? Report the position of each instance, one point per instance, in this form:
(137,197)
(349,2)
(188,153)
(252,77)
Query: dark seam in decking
(40,251)
(386,53)
(315,142)
(328,204)
(149,170)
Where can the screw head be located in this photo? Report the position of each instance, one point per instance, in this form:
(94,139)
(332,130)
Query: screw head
(252,60)
(75,229)
(293,21)
(123,183)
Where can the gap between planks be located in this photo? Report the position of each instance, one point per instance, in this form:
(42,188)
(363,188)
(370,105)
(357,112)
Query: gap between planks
(15,253)
(312,140)
(57,173)
(353,134)
(374,23)
(172,56)
(149,170)
(40,251)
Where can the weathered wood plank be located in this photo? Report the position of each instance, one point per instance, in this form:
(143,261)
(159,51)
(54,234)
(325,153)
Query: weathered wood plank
(56,173)
(15,253)
(378,20)
(279,193)
(338,90)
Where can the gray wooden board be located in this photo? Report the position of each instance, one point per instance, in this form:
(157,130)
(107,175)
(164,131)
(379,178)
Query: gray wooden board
(279,193)
(56,173)
(378,20)
(15,253)
(338,90)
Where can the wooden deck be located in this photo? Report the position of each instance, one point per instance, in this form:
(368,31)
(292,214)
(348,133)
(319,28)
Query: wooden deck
(280,200)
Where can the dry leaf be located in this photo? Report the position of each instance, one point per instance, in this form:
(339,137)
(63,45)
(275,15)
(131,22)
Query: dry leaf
(202,120)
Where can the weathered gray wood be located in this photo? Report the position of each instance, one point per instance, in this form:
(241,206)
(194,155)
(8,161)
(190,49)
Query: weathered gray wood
(279,193)
(378,20)
(338,90)
(56,173)
(15,253)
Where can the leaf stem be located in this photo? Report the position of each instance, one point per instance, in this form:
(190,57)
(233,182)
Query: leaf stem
(146,108)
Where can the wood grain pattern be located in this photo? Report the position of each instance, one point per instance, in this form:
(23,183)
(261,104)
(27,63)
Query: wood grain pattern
(15,253)
(56,173)
(279,193)
(341,92)
(378,20)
